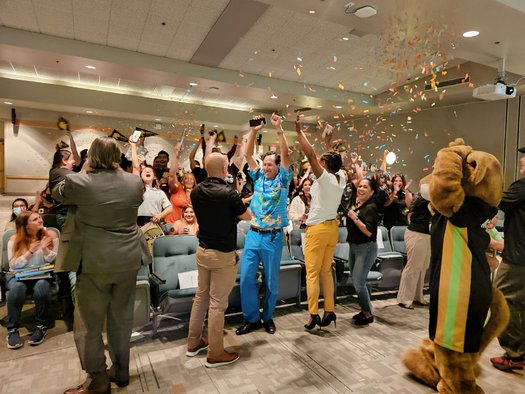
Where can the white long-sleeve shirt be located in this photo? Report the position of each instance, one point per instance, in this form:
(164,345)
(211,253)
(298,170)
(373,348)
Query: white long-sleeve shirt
(37,258)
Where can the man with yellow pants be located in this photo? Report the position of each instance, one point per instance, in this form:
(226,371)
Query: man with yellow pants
(321,228)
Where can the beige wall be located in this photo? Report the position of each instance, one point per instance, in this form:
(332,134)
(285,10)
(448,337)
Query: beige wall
(493,126)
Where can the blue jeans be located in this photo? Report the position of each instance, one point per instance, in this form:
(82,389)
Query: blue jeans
(361,259)
(16,296)
(266,248)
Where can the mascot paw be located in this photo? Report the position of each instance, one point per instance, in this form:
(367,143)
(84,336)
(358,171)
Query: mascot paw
(420,362)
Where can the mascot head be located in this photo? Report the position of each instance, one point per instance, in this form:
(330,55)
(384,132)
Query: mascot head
(460,171)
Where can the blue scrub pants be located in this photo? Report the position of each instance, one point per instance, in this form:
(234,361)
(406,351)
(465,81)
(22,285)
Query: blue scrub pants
(266,248)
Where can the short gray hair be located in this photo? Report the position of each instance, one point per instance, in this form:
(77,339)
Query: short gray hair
(104,153)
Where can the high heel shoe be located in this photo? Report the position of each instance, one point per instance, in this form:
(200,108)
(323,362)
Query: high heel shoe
(314,321)
(328,317)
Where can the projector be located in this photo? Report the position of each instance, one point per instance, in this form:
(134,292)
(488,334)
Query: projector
(498,91)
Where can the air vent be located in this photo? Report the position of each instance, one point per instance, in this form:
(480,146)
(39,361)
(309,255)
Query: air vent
(448,83)
(304,109)
(358,33)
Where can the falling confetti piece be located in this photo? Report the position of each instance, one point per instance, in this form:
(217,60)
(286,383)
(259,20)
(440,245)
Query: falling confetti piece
(269,74)
(298,71)
(341,86)
(334,58)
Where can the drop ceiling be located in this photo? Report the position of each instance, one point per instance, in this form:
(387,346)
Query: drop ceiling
(244,56)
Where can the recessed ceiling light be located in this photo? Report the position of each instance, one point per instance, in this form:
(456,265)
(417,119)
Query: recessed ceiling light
(345,38)
(157,119)
(8,103)
(216,125)
(319,106)
(338,106)
(91,67)
(471,33)
(89,112)
(273,96)
(311,11)
(194,84)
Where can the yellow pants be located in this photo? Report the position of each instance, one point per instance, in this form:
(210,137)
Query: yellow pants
(318,254)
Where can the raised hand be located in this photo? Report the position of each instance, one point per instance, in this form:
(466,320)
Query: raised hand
(297,122)
(276,120)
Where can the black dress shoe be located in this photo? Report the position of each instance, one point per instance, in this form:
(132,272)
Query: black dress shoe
(269,326)
(83,390)
(248,327)
(118,382)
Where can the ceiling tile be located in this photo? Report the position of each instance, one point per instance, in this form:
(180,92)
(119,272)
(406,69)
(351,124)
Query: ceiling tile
(55,17)
(91,20)
(19,14)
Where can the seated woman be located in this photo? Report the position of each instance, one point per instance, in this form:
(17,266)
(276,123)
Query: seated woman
(300,205)
(31,245)
(18,206)
(187,224)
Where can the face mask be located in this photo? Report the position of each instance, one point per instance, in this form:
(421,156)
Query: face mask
(17,211)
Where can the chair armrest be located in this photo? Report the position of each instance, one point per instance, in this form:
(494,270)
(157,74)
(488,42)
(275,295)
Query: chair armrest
(154,282)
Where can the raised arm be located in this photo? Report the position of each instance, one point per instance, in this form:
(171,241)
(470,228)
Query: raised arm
(308,149)
(73,146)
(194,152)
(250,146)
(283,144)
(173,181)
(210,144)
(238,155)
(383,163)
(134,157)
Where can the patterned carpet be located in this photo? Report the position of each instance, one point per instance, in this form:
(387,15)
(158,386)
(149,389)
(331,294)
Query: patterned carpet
(345,359)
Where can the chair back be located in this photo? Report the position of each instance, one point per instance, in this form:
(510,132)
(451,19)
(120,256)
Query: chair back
(174,254)
(296,246)
(382,235)
(5,240)
(397,237)
(343,234)
(244,226)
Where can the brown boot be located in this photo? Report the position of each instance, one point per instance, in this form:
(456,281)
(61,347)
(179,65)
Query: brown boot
(224,359)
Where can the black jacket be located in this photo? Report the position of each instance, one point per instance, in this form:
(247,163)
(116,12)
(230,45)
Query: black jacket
(513,204)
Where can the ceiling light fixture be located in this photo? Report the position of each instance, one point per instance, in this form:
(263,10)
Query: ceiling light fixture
(338,106)
(345,38)
(273,96)
(194,84)
(91,67)
(89,112)
(157,119)
(471,33)
(365,12)
(311,11)
(8,103)
(362,12)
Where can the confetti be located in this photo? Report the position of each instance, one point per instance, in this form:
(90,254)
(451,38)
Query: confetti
(341,86)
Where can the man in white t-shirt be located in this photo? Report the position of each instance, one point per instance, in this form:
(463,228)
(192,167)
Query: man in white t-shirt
(321,228)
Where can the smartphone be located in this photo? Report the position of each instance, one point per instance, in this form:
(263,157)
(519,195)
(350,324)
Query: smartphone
(136,135)
(257,122)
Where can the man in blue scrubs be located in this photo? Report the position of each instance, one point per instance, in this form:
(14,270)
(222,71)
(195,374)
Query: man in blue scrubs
(264,241)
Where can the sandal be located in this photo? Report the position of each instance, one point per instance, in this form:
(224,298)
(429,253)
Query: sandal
(405,306)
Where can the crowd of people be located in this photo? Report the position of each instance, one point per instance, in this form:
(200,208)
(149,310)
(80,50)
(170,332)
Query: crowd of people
(100,211)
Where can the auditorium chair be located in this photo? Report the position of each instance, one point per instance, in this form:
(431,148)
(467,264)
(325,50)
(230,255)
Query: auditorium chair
(172,255)
(388,262)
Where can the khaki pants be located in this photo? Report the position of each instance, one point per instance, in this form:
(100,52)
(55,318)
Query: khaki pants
(318,255)
(217,271)
(413,275)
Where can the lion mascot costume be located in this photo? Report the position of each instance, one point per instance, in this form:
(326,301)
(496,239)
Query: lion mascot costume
(464,189)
